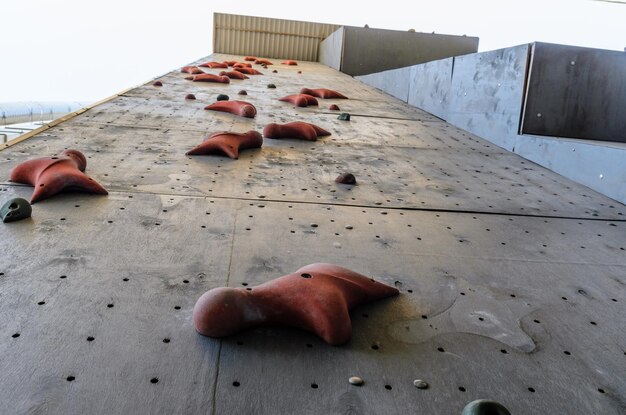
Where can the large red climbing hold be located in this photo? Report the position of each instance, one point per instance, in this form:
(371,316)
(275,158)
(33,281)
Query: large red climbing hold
(300,100)
(290,63)
(248,71)
(52,175)
(323,93)
(241,108)
(297,129)
(316,298)
(193,70)
(214,65)
(242,65)
(230,63)
(228,143)
(263,62)
(234,75)
(250,58)
(207,77)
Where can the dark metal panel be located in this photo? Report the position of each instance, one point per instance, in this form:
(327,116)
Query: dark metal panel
(576,92)
(375,50)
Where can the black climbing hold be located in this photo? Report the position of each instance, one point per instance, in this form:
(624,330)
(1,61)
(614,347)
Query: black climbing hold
(271,86)
(346,178)
(344,116)
(485,407)
(222,97)
(15,209)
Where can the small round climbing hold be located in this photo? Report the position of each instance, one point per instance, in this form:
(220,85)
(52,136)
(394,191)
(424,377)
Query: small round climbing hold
(346,178)
(222,97)
(157,83)
(355,380)
(274,71)
(190,96)
(344,116)
(334,107)
(271,86)
(484,406)
(15,209)
(242,92)
(420,384)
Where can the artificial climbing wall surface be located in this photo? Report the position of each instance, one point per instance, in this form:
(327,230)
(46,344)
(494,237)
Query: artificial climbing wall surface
(511,277)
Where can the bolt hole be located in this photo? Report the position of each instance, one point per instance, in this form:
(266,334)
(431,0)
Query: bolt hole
(462,389)
(176,307)
(375,347)
(531,390)
(166,340)
(503,351)
(41,303)
(63,277)
(440,349)
(125,279)
(566,352)
(154,380)
(314,385)
(15,335)
(388,387)
(110,305)
(601,390)
(90,339)
(593,323)
(236,384)
(70,378)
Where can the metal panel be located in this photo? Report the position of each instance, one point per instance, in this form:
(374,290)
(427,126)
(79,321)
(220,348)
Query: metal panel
(395,82)
(429,86)
(487,92)
(576,92)
(331,49)
(268,38)
(374,50)
(596,165)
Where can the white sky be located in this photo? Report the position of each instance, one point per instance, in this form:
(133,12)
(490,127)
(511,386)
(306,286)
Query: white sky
(79,50)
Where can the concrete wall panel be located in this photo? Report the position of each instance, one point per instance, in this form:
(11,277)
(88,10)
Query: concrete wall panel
(487,92)
(429,86)
(395,82)
(331,49)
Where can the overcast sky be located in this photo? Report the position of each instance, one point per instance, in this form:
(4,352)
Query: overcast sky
(78,50)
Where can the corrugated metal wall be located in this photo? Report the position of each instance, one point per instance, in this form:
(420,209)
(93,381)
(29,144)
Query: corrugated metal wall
(269,38)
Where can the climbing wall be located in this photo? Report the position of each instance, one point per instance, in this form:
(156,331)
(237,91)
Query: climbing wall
(511,277)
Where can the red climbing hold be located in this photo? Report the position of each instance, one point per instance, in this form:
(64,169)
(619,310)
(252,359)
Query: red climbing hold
(52,175)
(316,298)
(230,63)
(249,58)
(234,75)
(248,71)
(207,77)
(297,129)
(241,108)
(263,62)
(334,107)
(228,143)
(214,65)
(300,100)
(242,65)
(289,62)
(190,96)
(323,93)
(157,83)
(193,70)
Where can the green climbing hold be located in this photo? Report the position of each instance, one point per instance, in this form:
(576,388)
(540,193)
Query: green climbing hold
(485,407)
(15,209)
(222,97)
(344,116)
